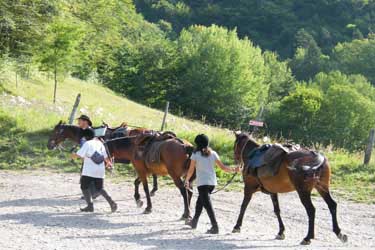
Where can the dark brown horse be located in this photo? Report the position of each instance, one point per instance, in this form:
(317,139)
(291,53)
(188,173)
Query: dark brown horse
(174,160)
(291,177)
(62,132)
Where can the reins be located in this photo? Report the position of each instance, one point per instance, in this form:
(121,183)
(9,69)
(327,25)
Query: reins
(226,184)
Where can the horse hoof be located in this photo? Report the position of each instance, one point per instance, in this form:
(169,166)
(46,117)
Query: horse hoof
(236,230)
(147,211)
(280,237)
(139,203)
(343,237)
(305,242)
(153,192)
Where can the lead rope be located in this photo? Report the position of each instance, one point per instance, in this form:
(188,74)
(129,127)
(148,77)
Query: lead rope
(112,159)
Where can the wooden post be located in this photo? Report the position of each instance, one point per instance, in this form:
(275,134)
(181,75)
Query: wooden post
(370,145)
(74,110)
(55,88)
(165,116)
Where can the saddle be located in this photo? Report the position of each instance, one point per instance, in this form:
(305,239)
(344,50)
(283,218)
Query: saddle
(107,133)
(305,162)
(150,145)
(266,160)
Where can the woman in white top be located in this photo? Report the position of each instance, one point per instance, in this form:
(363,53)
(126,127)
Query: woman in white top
(204,160)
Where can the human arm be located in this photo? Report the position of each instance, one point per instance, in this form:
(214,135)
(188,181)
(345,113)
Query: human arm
(81,153)
(226,168)
(190,172)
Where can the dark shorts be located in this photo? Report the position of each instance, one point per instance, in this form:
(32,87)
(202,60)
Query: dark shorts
(87,180)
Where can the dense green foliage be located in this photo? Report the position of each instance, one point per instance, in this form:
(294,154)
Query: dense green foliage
(271,24)
(217,61)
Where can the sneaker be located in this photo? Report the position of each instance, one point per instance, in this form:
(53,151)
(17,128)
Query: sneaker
(113,207)
(192,223)
(89,208)
(213,230)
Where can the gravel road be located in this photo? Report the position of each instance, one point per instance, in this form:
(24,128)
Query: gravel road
(40,210)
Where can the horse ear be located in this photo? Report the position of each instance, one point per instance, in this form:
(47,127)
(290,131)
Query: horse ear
(60,122)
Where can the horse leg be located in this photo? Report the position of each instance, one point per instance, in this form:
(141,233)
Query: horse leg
(248,193)
(148,197)
(186,195)
(276,208)
(332,205)
(136,192)
(305,197)
(155,184)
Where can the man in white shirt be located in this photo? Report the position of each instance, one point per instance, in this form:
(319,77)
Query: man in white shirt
(93,169)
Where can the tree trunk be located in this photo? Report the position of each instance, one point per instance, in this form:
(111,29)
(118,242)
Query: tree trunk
(54,90)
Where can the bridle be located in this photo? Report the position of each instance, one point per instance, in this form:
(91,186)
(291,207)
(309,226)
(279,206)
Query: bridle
(241,162)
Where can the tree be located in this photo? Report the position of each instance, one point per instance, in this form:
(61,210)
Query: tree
(279,77)
(356,57)
(56,51)
(296,115)
(346,117)
(307,62)
(220,77)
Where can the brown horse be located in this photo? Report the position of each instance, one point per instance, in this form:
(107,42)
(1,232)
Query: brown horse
(62,132)
(174,160)
(291,177)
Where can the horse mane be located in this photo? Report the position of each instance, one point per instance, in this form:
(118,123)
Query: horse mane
(249,136)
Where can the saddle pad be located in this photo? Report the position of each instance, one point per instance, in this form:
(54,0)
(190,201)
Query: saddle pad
(256,157)
(120,132)
(100,132)
(266,160)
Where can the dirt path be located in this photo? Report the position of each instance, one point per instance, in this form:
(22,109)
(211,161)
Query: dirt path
(39,210)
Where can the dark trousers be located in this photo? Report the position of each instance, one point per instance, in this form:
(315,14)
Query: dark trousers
(204,201)
(87,182)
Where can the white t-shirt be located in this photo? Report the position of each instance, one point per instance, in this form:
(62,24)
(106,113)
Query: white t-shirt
(90,168)
(205,167)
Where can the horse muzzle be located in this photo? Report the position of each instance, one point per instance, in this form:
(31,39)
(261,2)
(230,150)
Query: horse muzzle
(51,145)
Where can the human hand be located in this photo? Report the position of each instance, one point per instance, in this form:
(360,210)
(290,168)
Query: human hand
(237,169)
(187,184)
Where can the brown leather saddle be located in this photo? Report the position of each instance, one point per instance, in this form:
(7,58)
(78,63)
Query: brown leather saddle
(299,159)
(149,145)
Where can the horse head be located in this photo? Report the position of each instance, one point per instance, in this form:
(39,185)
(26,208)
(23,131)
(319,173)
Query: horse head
(244,141)
(61,132)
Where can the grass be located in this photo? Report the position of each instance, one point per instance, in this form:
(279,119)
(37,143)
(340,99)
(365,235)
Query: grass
(27,116)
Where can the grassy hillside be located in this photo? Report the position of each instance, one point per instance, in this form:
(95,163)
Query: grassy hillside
(27,116)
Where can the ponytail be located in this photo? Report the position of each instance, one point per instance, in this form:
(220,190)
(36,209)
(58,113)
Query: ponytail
(206,151)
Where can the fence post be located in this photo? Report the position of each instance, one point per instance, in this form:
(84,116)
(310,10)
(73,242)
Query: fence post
(370,145)
(165,116)
(74,110)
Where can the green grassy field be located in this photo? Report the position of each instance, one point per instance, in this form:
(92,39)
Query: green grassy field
(27,116)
